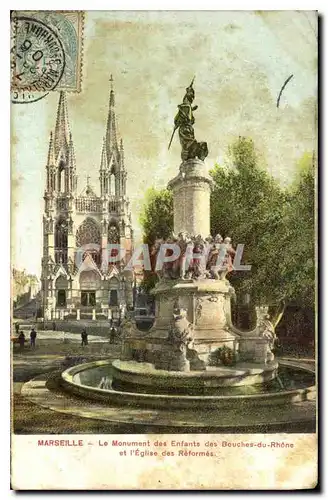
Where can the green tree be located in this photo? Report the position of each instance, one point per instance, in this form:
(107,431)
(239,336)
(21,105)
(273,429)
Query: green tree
(247,204)
(156,217)
(276,226)
(156,220)
(290,252)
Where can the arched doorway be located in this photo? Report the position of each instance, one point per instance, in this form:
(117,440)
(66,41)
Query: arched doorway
(61,286)
(89,284)
(113,295)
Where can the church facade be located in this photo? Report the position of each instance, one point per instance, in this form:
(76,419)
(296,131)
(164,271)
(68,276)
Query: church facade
(83,275)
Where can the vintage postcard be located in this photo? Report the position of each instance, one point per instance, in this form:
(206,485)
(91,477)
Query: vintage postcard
(164,215)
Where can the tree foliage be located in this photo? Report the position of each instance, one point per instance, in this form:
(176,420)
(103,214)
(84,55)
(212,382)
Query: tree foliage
(21,280)
(290,251)
(156,220)
(156,217)
(276,226)
(246,204)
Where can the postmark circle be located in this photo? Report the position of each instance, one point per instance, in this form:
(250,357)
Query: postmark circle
(37,60)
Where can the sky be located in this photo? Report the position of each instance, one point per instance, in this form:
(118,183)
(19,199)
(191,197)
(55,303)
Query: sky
(240,60)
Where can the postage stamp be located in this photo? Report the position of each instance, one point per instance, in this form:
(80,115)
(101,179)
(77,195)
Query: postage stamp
(46,53)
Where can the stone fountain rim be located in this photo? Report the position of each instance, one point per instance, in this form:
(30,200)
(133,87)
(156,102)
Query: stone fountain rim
(67,379)
(156,420)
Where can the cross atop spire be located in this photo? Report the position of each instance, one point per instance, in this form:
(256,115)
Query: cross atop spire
(111,95)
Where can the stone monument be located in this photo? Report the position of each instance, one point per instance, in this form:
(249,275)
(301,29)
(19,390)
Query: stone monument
(193,309)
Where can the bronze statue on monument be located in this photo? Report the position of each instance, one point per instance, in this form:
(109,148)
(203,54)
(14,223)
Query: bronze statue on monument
(184,121)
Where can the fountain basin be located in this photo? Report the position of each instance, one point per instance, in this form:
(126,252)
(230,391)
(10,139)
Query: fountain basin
(143,377)
(83,381)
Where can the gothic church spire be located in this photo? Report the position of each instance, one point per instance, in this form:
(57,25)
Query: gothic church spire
(111,138)
(61,136)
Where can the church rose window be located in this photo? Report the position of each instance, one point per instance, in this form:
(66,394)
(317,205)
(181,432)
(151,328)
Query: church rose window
(87,233)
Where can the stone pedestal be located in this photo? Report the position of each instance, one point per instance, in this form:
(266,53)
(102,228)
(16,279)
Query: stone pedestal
(254,349)
(191,198)
(207,303)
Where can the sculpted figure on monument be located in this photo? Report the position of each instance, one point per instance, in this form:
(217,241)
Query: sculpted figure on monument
(181,265)
(184,121)
(153,256)
(126,327)
(227,253)
(221,257)
(198,258)
(180,333)
(169,268)
(208,243)
(199,261)
(212,262)
(267,331)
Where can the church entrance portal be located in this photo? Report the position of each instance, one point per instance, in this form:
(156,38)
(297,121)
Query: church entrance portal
(88,298)
(61,298)
(113,298)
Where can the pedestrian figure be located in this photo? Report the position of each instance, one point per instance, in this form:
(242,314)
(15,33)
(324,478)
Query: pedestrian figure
(54,326)
(84,337)
(17,328)
(21,340)
(112,335)
(33,337)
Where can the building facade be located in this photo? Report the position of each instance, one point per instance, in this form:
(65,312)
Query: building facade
(83,275)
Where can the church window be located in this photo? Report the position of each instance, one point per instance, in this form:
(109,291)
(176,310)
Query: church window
(113,234)
(61,241)
(112,184)
(87,233)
